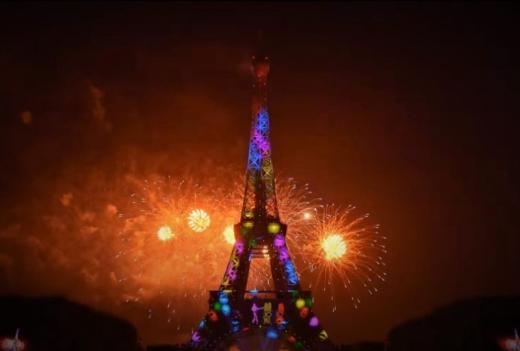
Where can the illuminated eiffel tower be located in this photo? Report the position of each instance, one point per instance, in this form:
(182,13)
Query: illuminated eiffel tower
(279,319)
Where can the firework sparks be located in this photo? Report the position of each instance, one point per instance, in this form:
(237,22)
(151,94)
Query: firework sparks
(165,202)
(332,247)
(129,269)
(343,250)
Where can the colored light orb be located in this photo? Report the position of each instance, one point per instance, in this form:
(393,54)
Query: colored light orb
(272,333)
(202,324)
(292,276)
(307,215)
(199,220)
(279,240)
(223,299)
(229,234)
(308,302)
(304,312)
(300,303)
(323,335)
(240,247)
(226,310)
(248,224)
(279,320)
(273,228)
(165,233)
(333,246)
(213,316)
(314,322)
(195,337)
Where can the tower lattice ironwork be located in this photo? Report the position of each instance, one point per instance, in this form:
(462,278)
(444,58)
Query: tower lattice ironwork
(276,319)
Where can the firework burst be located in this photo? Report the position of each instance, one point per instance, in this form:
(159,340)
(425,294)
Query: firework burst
(332,247)
(343,251)
(188,220)
(138,252)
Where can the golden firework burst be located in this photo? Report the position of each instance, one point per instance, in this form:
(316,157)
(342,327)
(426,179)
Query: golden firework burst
(333,246)
(199,220)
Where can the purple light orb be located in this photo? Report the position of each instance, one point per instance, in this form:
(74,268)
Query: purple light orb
(314,322)
(240,247)
(279,240)
(195,337)
(284,255)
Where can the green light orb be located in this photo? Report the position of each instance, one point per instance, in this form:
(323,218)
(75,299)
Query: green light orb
(249,214)
(248,224)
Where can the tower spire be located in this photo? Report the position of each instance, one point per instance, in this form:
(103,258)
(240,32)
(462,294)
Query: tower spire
(260,194)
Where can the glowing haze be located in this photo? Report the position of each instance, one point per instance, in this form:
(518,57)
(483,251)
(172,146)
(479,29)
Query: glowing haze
(380,106)
(152,246)
(133,206)
(145,230)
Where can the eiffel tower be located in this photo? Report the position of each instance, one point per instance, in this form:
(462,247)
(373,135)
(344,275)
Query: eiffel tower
(279,319)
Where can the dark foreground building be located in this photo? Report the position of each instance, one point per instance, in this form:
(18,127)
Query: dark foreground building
(57,324)
(476,325)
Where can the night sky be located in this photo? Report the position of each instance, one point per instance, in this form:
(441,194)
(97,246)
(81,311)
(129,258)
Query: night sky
(406,110)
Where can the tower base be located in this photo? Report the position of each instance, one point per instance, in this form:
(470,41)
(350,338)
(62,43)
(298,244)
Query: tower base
(260,320)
